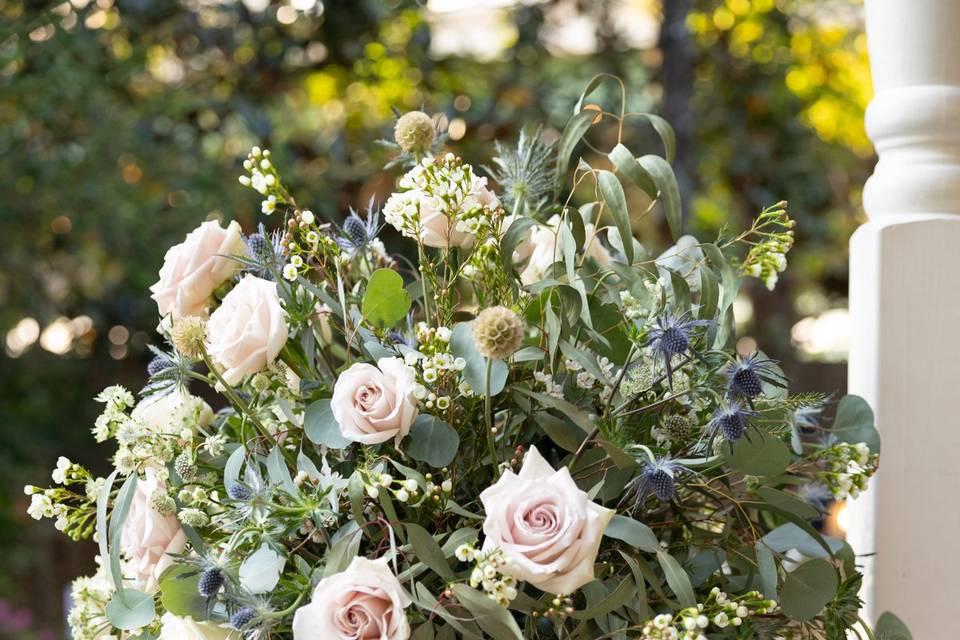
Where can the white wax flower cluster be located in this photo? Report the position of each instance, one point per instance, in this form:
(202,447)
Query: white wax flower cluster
(442,203)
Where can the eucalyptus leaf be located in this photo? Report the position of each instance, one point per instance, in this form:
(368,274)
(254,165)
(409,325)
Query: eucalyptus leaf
(677,578)
(321,427)
(890,627)
(475,372)
(432,441)
(767,567)
(616,202)
(759,454)
(179,592)
(572,133)
(855,423)
(633,532)
(492,618)
(659,169)
(807,590)
(428,551)
(130,609)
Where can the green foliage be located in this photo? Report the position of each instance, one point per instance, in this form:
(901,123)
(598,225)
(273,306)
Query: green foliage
(385,301)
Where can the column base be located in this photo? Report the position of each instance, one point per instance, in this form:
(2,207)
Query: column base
(905,360)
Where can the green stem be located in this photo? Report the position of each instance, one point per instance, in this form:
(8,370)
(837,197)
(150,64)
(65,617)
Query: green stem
(866,628)
(238,402)
(488,421)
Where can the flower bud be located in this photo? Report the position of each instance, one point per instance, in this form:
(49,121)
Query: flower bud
(414,131)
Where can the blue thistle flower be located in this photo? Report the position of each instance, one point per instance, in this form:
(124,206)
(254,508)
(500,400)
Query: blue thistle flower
(210,582)
(356,233)
(242,617)
(731,421)
(659,477)
(239,492)
(746,376)
(670,337)
(397,337)
(155,366)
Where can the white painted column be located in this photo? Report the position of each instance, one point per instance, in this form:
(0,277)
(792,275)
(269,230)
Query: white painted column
(905,314)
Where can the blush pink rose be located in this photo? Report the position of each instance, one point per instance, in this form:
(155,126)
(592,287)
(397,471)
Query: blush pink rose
(373,404)
(148,538)
(541,248)
(365,602)
(248,329)
(437,230)
(546,526)
(195,267)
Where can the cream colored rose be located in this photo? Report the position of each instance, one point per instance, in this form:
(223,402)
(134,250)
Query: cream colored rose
(173,412)
(542,248)
(195,267)
(438,230)
(373,404)
(248,329)
(547,527)
(176,628)
(365,602)
(148,538)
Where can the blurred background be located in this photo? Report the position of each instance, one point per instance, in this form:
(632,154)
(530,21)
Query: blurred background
(123,124)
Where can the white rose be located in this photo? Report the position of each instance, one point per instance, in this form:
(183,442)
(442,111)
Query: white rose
(172,412)
(545,524)
(373,404)
(541,249)
(148,538)
(195,267)
(248,330)
(176,628)
(364,602)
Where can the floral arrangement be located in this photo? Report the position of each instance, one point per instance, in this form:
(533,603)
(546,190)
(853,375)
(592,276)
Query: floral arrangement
(538,429)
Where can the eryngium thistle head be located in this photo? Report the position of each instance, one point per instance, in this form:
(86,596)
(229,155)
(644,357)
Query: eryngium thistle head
(210,582)
(414,131)
(746,376)
(239,492)
(242,617)
(156,365)
(497,332)
(731,421)
(183,464)
(659,478)
(188,336)
(260,247)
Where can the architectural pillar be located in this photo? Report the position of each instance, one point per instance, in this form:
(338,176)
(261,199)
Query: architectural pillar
(905,314)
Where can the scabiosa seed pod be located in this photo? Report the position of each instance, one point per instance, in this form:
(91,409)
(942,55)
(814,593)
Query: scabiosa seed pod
(210,582)
(497,332)
(242,617)
(238,491)
(157,365)
(188,336)
(678,427)
(414,131)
